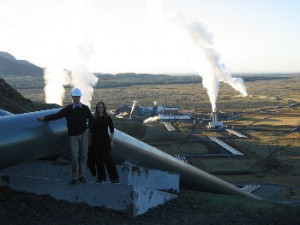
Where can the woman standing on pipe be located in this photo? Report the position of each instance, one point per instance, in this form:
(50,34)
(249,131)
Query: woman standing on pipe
(100,151)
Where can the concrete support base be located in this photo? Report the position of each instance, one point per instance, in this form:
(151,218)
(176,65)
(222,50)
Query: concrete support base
(139,189)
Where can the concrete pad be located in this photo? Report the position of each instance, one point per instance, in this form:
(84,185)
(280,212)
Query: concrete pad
(129,174)
(129,196)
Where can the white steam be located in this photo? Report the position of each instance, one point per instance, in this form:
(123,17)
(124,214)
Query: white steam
(133,106)
(203,56)
(152,119)
(55,78)
(212,70)
(72,51)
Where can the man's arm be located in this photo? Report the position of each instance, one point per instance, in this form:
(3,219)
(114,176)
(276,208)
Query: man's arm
(60,114)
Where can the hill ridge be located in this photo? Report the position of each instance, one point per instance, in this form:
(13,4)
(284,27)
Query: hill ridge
(9,65)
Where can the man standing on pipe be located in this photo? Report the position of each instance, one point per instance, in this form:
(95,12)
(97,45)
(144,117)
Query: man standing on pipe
(79,119)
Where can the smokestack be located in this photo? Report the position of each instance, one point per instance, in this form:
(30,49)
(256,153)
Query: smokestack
(214,116)
(155,108)
(215,124)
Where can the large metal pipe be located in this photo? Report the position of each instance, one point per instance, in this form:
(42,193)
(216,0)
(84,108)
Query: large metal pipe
(24,138)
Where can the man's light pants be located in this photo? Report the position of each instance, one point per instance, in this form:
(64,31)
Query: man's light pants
(79,151)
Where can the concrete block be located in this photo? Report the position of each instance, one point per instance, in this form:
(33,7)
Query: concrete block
(138,191)
(133,200)
(152,178)
(129,174)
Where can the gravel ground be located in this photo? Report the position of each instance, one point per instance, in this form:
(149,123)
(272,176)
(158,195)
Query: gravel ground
(19,208)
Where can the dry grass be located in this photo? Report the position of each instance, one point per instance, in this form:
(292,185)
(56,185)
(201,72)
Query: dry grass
(186,96)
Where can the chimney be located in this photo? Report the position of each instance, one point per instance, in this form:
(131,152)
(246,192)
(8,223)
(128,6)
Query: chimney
(214,116)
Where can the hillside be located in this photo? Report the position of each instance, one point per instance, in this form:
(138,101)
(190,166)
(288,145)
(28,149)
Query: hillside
(190,207)
(12,101)
(9,65)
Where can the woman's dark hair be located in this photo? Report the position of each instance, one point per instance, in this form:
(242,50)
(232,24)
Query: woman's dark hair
(104,110)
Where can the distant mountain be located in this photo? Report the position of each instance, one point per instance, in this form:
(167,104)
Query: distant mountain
(9,65)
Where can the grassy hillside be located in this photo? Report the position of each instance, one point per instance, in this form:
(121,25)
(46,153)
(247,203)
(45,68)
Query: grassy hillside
(189,208)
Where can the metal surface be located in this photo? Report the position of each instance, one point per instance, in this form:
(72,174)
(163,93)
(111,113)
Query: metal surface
(24,138)
(4,113)
(140,153)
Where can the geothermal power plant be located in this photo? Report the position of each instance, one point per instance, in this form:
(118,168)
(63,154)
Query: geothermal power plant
(25,139)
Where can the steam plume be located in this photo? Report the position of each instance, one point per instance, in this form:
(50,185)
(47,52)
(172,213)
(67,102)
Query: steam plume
(152,119)
(133,107)
(71,54)
(55,77)
(204,58)
(214,71)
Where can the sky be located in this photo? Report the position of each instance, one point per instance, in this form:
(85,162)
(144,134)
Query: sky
(151,36)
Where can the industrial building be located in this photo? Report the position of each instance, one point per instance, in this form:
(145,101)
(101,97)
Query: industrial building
(140,113)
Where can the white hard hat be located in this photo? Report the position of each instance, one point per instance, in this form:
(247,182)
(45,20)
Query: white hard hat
(76,92)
